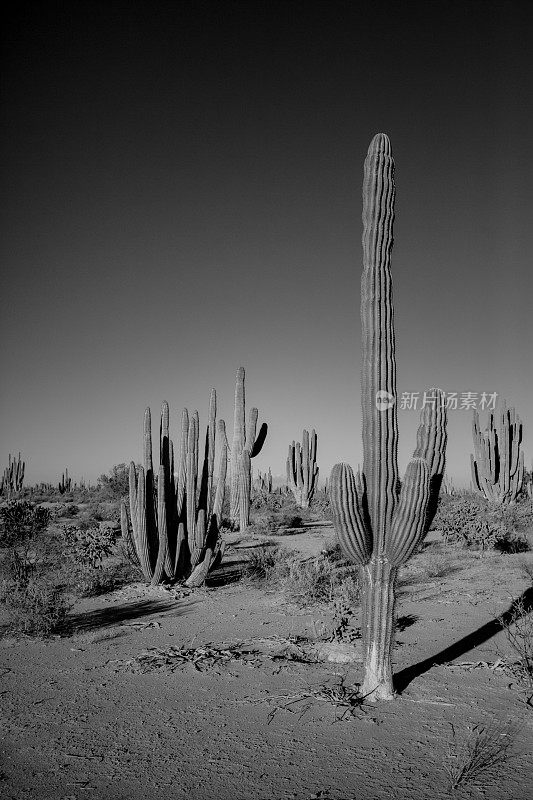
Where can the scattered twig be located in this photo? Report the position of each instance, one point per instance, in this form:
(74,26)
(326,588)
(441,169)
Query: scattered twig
(339,695)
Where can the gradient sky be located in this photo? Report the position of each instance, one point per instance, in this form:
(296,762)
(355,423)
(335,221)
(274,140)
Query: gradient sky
(182,196)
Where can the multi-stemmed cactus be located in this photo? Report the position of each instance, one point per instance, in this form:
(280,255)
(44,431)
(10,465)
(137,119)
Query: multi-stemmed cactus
(65,484)
(302,470)
(498,461)
(13,477)
(380,525)
(175,520)
(247,443)
(263,482)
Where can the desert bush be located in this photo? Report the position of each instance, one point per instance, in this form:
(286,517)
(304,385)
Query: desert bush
(88,546)
(475,523)
(263,563)
(519,634)
(85,548)
(22,566)
(477,754)
(436,565)
(35,609)
(21,520)
(326,578)
(115,485)
(65,510)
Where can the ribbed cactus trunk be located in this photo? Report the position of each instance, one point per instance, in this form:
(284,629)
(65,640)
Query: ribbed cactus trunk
(247,443)
(498,461)
(378,526)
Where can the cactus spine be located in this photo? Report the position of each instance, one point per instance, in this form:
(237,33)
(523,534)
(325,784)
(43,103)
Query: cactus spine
(378,525)
(175,524)
(13,477)
(246,445)
(498,461)
(302,470)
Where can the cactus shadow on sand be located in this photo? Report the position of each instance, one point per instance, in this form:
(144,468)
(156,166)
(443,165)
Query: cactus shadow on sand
(107,617)
(523,604)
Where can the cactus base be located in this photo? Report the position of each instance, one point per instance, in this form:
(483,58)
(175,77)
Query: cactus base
(378,579)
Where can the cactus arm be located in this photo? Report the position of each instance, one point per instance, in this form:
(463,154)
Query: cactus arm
(162,526)
(210,445)
(190,490)
(431,440)
(259,440)
(182,465)
(140,529)
(222,471)
(380,428)
(348,516)
(129,543)
(409,522)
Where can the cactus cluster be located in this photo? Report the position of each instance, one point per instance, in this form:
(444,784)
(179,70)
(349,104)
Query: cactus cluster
(263,482)
(498,461)
(379,525)
(175,516)
(13,477)
(247,444)
(65,484)
(302,470)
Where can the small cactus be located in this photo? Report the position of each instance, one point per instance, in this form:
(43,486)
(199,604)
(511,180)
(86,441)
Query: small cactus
(498,461)
(302,470)
(380,525)
(175,520)
(246,445)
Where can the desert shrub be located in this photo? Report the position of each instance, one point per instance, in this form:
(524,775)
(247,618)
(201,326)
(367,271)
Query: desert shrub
(35,608)
(22,566)
(519,634)
(263,563)
(477,755)
(323,579)
(475,523)
(85,548)
(21,520)
(88,546)
(114,485)
(65,510)
(436,565)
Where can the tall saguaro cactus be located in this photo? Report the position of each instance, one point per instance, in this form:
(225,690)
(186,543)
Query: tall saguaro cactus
(498,461)
(175,525)
(302,470)
(246,445)
(378,525)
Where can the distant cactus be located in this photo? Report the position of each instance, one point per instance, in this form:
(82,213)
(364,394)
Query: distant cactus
(302,470)
(379,525)
(175,520)
(13,478)
(447,486)
(246,445)
(498,461)
(263,482)
(65,484)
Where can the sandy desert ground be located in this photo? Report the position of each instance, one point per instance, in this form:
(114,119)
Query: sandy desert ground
(259,715)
